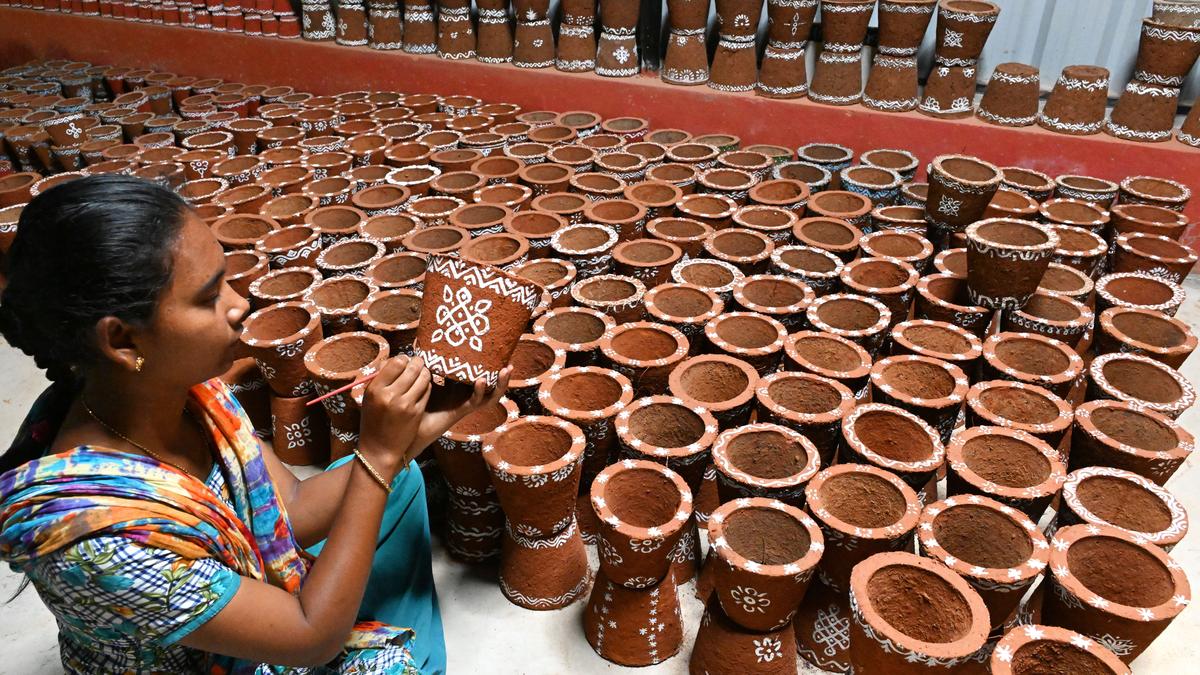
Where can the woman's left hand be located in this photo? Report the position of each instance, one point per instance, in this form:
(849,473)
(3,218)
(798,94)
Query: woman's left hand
(437,422)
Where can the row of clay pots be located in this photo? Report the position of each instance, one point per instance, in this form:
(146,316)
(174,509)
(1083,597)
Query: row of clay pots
(269,19)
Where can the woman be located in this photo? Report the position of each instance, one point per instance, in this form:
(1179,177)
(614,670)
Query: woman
(155,526)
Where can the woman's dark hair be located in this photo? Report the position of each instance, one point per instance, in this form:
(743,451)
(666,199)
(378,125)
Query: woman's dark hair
(86,249)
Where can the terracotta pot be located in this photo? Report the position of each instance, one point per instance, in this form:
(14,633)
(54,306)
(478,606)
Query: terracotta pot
(417,178)
(1146,332)
(533,46)
(1067,281)
(242,230)
(1144,113)
(682,176)
(1022,407)
(686,233)
(1078,102)
(907,247)
(278,337)
(745,249)
(338,299)
(960,188)
(554,275)
(647,260)
(779,297)
(282,285)
(862,510)
(402,269)
(588,246)
(436,239)
(643,509)
(646,353)
(757,587)
(501,249)
(858,318)
(1006,464)
(764,460)
(546,177)
(837,78)
(850,207)
(1012,203)
(834,235)
(525,562)
(576,330)
(388,229)
(1158,255)
(773,222)
(1123,603)
(685,307)
(242,268)
(1086,188)
(436,211)
(299,431)
(914,194)
(937,340)
(1006,261)
(716,275)
(536,356)
(815,267)
(722,384)
(895,439)
(1074,212)
(1079,248)
(394,314)
(830,356)
(1104,496)
(633,626)
(1138,290)
(349,257)
(615,295)
(1032,359)
(481,312)
(722,646)
(381,200)
(714,210)
(887,280)
(879,185)
(812,405)
(930,389)
(754,338)
(335,362)
(1051,315)
(1140,380)
(912,614)
(1029,648)
(1124,435)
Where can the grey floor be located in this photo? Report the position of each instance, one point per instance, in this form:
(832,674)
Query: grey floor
(486,634)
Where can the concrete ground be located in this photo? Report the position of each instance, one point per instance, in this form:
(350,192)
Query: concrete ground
(487,634)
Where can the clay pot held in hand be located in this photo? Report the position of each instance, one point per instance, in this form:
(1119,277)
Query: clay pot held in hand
(1113,587)
(1140,380)
(1146,332)
(646,353)
(1029,649)
(1101,495)
(474,315)
(764,460)
(1010,466)
(1019,406)
(997,549)
(278,337)
(722,384)
(642,509)
(764,554)
(911,614)
(1006,261)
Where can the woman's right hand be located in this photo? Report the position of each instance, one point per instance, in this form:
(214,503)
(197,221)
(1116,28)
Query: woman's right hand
(392,408)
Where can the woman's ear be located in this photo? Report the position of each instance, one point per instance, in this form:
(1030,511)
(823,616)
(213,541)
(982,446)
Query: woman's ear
(115,340)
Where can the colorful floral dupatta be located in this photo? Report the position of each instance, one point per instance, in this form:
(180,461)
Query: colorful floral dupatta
(57,500)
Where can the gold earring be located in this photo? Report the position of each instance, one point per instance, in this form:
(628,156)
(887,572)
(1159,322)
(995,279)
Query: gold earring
(137,365)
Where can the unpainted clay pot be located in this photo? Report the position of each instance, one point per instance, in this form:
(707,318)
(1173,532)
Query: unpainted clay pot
(1101,495)
(1010,466)
(764,460)
(911,614)
(646,353)
(930,389)
(1140,380)
(1113,587)
(808,404)
(1032,648)
(1022,407)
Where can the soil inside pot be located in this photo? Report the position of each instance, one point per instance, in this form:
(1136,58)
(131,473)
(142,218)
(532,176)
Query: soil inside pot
(381,195)
(802,172)
(544,273)
(803,395)
(673,172)
(937,339)
(480,214)
(767,454)
(830,233)
(766,217)
(678,228)
(1150,329)
(1072,212)
(889,159)
(729,179)
(642,497)
(436,238)
(1045,656)
(398,269)
(1119,571)
(396,310)
(607,290)
(1140,291)
(869,175)
(1142,381)
(848,314)
(1155,188)
(1078,241)
(878,274)
(615,210)
(278,323)
(778,191)
(773,293)
(919,604)
(1006,461)
(713,381)
(535,224)
(828,354)
(863,500)
(896,245)
(349,253)
(347,355)
(1005,233)
(683,302)
(739,244)
(586,391)
(574,328)
(825,153)
(982,536)
(1032,356)
(243,228)
(530,359)
(1019,405)
(809,261)
(1169,249)
(598,181)
(961,167)
(839,202)
(1051,308)
(707,275)
(1135,429)
(644,344)
(892,436)
(238,262)
(647,252)
(919,379)
(707,206)
(340,293)
(481,421)
(583,238)
(1124,504)
(533,444)
(766,536)
(388,226)
(495,247)
(747,332)
(666,425)
(286,284)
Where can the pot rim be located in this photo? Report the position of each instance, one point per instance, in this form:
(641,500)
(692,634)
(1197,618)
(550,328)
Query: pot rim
(314,322)
(926,246)
(739,295)
(317,372)
(539,327)
(847,154)
(860,371)
(339,311)
(1069,374)
(987,578)
(718,305)
(364,314)
(736,274)
(1108,325)
(939,173)
(710,246)
(974,348)
(1185,193)
(610,241)
(1047,488)
(1047,184)
(1017,638)
(725,466)
(684,203)
(619,255)
(913,161)
(1124,242)
(501,467)
(846,403)
(860,288)
(713,336)
(957,395)
(1081,322)
(850,437)
(777,261)
(610,352)
(568,267)
(521,252)
(1187,393)
(735,560)
(900,528)
(881,324)
(977,239)
(583,417)
(380,251)
(785,229)
(1177,292)
(1060,424)
(676,388)
(1167,537)
(599,498)
(1185,441)
(685,453)
(559,362)
(1100,220)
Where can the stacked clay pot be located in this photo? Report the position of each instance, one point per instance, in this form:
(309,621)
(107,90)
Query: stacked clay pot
(892,83)
(962,29)
(1145,112)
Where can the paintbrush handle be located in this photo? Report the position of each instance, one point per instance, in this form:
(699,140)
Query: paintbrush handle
(348,387)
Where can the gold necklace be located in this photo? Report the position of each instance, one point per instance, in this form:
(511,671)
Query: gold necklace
(130,441)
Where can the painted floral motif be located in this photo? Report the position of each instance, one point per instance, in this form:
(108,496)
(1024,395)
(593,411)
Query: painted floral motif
(298,435)
(954,38)
(462,319)
(750,599)
(768,649)
(949,205)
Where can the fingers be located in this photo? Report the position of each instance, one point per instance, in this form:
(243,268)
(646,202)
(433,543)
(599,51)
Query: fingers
(392,368)
(419,391)
(502,383)
(405,381)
